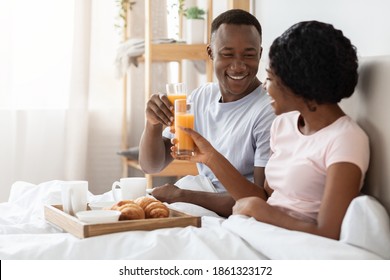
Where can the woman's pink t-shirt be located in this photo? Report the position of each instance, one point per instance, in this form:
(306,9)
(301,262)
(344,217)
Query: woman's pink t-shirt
(297,168)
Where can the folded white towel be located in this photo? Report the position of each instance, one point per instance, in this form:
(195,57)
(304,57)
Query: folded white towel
(129,52)
(196,183)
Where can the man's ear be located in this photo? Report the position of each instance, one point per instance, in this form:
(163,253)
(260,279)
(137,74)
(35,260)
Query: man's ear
(210,52)
(261,52)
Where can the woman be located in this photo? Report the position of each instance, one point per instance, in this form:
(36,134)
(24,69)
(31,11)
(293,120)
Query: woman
(319,154)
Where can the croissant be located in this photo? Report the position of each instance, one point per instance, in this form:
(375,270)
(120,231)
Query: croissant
(141,208)
(144,201)
(156,209)
(117,205)
(131,211)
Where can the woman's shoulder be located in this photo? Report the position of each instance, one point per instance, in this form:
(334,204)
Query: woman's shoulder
(289,117)
(285,122)
(350,128)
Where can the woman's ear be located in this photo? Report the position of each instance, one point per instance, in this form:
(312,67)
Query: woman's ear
(210,52)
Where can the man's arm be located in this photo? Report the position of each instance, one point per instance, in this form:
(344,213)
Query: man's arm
(220,203)
(258,176)
(154,154)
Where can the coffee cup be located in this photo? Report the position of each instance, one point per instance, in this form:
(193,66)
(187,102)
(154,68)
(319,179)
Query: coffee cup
(129,188)
(74,195)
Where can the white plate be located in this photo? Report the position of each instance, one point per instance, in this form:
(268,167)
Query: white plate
(100,205)
(99,216)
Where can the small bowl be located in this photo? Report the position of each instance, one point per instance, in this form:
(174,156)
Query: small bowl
(101,205)
(99,216)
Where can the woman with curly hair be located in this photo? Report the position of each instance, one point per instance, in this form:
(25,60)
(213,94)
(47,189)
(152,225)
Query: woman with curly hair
(319,154)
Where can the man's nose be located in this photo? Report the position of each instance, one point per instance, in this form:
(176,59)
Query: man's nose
(237,65)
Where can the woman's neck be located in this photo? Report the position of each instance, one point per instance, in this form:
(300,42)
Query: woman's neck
(309,122)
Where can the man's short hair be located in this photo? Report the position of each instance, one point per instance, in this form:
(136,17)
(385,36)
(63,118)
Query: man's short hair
(235,16)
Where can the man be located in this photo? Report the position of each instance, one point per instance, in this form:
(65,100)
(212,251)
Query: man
(234,115)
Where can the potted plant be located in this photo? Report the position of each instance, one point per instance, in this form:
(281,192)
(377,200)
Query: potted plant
(194,13)
(195,25)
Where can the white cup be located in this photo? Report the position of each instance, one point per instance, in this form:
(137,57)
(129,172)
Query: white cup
(129,188)
(74,196)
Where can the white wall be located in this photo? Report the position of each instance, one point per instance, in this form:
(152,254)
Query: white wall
(365,22)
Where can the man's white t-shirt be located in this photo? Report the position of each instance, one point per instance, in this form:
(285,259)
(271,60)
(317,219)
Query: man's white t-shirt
(297,168)
(239,130)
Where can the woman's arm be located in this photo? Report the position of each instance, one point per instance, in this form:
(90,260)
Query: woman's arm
(236,184)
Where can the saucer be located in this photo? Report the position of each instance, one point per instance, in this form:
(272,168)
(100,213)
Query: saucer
(99,216)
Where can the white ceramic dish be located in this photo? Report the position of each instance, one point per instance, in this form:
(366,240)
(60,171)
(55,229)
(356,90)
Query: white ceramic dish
(101,205)
(99,216)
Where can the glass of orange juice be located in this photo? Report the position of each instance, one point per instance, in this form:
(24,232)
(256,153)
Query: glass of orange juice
(184,117)
(176,91)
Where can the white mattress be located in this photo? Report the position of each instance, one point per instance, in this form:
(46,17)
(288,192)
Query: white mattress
(25,234)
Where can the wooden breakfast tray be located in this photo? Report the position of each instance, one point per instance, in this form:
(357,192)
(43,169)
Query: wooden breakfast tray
(71,224)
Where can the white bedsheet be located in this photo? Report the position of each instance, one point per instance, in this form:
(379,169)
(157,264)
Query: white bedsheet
(24,234)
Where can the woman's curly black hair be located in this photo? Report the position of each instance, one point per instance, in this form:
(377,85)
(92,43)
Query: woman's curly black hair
(316,61)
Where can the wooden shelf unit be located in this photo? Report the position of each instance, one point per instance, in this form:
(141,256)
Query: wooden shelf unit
(172,52)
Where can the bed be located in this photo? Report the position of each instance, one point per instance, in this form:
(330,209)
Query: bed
(365,234)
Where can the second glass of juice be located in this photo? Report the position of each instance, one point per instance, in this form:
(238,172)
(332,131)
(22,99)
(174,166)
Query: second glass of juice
(176,91)
(184,117)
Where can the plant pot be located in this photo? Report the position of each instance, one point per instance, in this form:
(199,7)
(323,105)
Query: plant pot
(195,31)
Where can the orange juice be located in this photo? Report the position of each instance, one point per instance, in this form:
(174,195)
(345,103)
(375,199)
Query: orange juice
(172,98)
(185,145)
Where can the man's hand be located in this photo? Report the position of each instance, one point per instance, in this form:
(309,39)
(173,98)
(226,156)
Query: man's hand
(159,110)
(167,193)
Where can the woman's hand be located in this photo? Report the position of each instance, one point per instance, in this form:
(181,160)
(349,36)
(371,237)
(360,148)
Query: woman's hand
(253,207)
(204,151)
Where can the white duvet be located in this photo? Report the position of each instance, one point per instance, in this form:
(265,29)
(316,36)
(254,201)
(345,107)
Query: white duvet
(25,234)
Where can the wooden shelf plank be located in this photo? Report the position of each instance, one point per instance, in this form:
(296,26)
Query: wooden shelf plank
(177,168)
(177,52)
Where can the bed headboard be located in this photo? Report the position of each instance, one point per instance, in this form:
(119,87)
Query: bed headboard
(370,107)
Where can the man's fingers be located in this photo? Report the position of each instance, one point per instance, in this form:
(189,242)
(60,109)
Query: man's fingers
(158,107)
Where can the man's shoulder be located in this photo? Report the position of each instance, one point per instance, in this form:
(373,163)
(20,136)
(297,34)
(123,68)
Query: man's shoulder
(259,104)
(205,90)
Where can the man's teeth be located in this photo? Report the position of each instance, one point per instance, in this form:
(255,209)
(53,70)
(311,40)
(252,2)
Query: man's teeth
(237,77)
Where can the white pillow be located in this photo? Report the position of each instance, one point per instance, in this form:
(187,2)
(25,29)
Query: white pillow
(367,225)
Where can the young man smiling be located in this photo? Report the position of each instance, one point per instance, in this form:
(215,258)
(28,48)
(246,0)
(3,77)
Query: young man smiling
(234,114)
